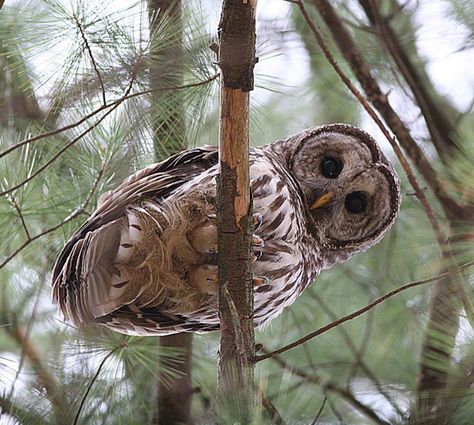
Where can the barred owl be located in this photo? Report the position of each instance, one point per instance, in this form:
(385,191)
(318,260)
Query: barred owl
(144,263)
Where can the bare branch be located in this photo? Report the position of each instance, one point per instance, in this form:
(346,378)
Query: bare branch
(328,385)
(356,313)
(91,383)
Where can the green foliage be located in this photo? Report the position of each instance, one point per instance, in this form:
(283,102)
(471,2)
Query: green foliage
(371,360)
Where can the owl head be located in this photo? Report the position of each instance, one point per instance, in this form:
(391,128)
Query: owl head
(350,191)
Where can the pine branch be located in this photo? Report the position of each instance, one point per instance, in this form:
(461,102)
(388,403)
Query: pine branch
(91,57)
(22,415)
(78,211)
(111,104)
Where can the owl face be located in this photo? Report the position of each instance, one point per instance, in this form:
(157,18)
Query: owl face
(351,192)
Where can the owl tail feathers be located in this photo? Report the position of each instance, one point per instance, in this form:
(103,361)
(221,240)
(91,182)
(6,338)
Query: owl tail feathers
(89,285)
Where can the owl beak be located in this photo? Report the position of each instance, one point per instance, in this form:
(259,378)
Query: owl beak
(322,200)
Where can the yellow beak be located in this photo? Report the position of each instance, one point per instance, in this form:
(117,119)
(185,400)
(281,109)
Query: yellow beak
(322,200)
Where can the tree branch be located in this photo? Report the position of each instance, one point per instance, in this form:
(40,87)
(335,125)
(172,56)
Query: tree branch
(355,314)
(45,378)
(328,385)
(236,60)
(111,104)
(439,125)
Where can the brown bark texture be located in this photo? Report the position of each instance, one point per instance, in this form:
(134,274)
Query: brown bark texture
(175,393)
(236,60)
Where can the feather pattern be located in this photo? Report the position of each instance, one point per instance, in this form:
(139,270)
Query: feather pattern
(141,263)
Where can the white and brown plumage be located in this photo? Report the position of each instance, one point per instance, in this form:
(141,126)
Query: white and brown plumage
(144,262)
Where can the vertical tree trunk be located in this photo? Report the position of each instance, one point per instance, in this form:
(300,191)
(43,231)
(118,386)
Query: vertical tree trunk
(236,60)
(169,136)
(174,398)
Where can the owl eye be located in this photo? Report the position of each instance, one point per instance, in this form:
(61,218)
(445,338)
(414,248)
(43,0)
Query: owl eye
(330,167)
(355,203)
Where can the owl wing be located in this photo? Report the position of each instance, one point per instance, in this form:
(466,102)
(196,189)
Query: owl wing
(82,275)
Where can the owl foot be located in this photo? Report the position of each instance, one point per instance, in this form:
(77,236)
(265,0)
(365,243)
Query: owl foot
(205,279)
(257,221)
(260,280)
(204,238)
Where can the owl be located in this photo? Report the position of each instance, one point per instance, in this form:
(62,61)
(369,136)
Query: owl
(145,262)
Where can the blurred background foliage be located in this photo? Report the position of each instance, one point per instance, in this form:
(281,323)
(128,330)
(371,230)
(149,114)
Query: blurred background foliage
(64,60)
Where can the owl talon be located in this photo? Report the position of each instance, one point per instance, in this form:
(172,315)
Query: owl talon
(257,241)
(260,280)
(257,221)
(256,255)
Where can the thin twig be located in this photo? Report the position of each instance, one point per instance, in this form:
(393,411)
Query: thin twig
(356,313)
(320,411)
(91,383)
(335,412)
(328,385)
(91,56)
(20,214)
(357,354)
(70,217)
(273,412)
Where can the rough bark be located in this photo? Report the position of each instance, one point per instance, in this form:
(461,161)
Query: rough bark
(236,60)
(174,394)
